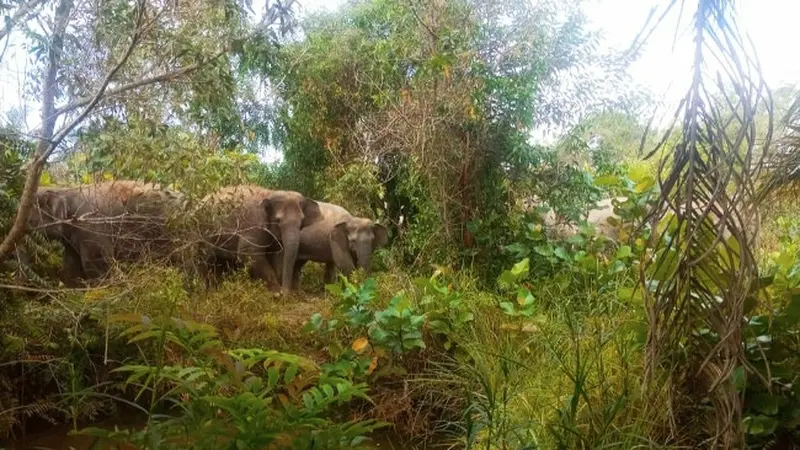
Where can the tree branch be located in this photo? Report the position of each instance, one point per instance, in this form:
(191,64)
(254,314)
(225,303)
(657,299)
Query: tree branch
(162,78)
(47,141)
(22,13)
(48,125)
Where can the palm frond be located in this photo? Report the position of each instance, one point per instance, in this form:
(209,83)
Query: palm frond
(784,165)
(695,309)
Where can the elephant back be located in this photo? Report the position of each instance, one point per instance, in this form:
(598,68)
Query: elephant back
(232,208)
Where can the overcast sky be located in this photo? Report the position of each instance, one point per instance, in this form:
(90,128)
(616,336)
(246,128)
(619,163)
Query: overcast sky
(663,68)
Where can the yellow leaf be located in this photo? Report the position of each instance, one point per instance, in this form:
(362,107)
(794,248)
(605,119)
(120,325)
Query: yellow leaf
(45,179)
(360,344)
(108,176)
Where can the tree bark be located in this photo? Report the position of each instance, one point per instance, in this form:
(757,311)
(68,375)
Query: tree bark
(46,134)
(48,140)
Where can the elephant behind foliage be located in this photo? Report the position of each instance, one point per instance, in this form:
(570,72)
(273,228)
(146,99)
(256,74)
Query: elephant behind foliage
(255,226)
(97,224)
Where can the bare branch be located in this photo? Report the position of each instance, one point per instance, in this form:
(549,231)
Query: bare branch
(48,142)
(48,125)
(162,78)
(22,13)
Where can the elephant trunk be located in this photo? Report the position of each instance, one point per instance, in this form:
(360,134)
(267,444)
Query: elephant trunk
(291,245)
(364,255)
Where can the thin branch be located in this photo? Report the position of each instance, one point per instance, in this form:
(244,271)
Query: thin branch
(48,125)
(161,78)
(22,13)
(47,142)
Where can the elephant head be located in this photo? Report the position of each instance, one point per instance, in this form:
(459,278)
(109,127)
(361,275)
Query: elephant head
(288,213)
(357,238)
(50,211)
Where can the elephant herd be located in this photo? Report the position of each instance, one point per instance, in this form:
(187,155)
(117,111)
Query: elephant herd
(271,232)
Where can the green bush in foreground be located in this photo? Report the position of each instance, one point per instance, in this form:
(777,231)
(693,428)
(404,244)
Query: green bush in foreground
(204,396)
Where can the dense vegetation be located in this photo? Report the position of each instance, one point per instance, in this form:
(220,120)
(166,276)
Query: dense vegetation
(478,328)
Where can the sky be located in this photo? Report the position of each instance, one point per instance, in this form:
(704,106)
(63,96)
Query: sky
(663,68)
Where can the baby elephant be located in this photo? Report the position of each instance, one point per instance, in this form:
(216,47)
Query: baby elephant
(340,240)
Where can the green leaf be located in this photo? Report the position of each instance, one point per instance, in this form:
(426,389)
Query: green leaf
(606,180)
(272,377)
(624,252)
(561,252)
(507,278)
(290,373)
(334,289)
(764,403)
(645,184)
(521,268)
(739,377)
(666,264)
(786,260)
(524,297)
(508,308)
(760,425)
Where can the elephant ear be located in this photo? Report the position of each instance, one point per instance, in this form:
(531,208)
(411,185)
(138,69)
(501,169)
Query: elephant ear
(268,207)
(54,204)
(381,236)
(311,213)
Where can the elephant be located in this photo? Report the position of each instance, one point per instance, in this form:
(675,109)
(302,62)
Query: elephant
(97,224)
(598,216)
(340,240)
(259,227)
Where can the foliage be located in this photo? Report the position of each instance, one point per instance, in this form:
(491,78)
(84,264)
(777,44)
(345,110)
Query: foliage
(418,114)
(242,398)
(384,82)
(166,155)
(396,328)
(772,402)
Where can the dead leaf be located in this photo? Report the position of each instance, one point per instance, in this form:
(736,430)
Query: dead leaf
(360,344)
(372,365)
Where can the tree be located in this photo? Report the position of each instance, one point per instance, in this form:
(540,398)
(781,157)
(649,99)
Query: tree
(99,57)
(435,99)
(696,291)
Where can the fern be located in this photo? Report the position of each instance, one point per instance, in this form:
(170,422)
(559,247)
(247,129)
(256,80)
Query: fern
(251,398)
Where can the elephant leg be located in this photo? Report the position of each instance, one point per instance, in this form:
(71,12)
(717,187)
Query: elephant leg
(94,257)
(330,272)
(252,250)
(261,268)
(72,268)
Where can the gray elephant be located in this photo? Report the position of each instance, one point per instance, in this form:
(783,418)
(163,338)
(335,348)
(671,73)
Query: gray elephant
(340,240)
(255,226)
(96,224)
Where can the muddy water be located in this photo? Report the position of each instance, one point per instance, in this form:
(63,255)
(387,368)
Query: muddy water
(59,438)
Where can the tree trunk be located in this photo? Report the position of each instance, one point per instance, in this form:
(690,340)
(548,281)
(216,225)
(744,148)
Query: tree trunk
(45,143)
